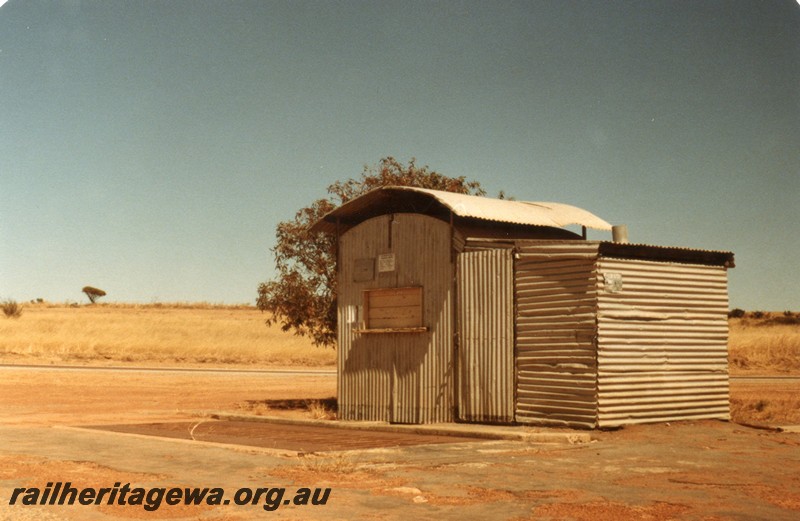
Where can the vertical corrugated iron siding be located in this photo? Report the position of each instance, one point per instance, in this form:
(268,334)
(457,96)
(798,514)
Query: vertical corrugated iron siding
(662,342)
(425,384)
(555,330)
(363,367)
(398,377)
(486,336)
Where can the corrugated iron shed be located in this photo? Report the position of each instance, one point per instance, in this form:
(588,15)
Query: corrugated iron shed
(460,308)
(407,199)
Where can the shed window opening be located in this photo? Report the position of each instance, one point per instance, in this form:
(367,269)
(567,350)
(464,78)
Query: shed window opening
(393,310)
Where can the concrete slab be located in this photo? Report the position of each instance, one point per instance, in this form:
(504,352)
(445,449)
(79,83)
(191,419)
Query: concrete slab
(695,471)
(298,437)
(489,432)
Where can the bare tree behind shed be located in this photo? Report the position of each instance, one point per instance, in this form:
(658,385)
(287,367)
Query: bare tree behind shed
(93,293)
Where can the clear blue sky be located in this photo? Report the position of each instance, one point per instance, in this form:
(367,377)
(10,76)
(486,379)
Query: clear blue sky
(149,148)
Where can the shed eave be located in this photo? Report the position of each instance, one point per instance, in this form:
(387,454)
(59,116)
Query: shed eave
(667,253)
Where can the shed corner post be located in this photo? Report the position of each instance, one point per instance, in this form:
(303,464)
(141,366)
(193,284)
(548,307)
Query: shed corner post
(336,247)
(515,258)
(339,353)
(453,252)
(454,352)
(338,235)
(596,339)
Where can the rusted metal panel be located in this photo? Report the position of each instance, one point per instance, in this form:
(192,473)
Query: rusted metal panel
(555,329)
(395,376)
(662,341)
(485,282)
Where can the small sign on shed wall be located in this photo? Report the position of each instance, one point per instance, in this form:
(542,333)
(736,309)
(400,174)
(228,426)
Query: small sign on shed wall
(386,262)
(363,270)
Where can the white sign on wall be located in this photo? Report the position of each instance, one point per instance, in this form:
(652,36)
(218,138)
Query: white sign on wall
(386,262)
(613,282)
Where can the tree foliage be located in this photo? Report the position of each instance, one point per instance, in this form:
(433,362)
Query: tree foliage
(302,298)
(93,293)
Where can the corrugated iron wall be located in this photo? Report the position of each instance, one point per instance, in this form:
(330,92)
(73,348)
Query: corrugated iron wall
(397,377)
(555,326)
(662,341)
(361,369)
(486,336)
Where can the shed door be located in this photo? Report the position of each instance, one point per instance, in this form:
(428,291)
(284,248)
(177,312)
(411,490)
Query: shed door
(485,314)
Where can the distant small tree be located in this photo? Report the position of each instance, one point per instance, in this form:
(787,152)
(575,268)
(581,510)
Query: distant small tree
(736,313)
(93,293)
(303,296)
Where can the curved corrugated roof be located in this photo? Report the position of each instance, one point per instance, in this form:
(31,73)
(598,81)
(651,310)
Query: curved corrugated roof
(393,199)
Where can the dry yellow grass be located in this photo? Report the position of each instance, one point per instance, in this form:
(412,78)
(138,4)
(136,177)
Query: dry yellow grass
(160,333)
(774,404)
(764,346)
(207,334)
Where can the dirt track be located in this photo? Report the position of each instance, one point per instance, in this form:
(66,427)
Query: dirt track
(700,470)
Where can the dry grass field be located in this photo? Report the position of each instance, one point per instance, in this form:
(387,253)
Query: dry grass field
(767,345)
(208,335)
(776,403)
(153,334)
(204,333)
